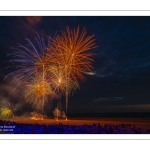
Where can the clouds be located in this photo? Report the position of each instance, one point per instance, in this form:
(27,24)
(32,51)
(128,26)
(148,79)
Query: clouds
(123,45)
(124,108)
(108,99)
(102,75)
(110,108)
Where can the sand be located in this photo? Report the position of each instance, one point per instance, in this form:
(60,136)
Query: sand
(143,123)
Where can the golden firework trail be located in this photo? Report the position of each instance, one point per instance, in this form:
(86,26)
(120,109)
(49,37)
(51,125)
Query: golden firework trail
(69,52)
(37,90)
(59,83)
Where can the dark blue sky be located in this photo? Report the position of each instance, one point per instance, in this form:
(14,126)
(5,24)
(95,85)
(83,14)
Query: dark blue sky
(122,63)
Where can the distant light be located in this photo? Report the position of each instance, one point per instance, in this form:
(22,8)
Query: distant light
(90,73)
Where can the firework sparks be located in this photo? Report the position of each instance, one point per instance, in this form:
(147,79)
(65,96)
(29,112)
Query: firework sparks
(7,111)
(59,81)
(28,60)
(70,53)
(53,69)
(37,116)
(36,89)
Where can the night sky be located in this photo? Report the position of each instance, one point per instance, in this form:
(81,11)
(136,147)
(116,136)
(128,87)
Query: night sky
(122,62)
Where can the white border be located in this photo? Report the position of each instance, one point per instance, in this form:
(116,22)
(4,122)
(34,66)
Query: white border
(75,5)
(74,13)
(75,136)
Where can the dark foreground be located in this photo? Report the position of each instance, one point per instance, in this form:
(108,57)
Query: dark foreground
(77,126)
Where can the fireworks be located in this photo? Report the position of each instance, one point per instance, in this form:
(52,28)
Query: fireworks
(53,69)
(37,90)
(7,111)
(59,82)
(28,60)
(37,116)
(70,53)
(58,114)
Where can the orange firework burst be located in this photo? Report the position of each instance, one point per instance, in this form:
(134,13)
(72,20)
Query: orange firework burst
(37,90)
(70,53)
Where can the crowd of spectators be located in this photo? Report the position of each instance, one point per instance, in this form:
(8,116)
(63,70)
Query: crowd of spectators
(8,127)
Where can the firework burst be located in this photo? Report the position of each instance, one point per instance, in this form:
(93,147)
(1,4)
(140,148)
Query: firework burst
(37,90)
(70,53)
(7,111)
(59,81)
(28,60)
(54,68)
